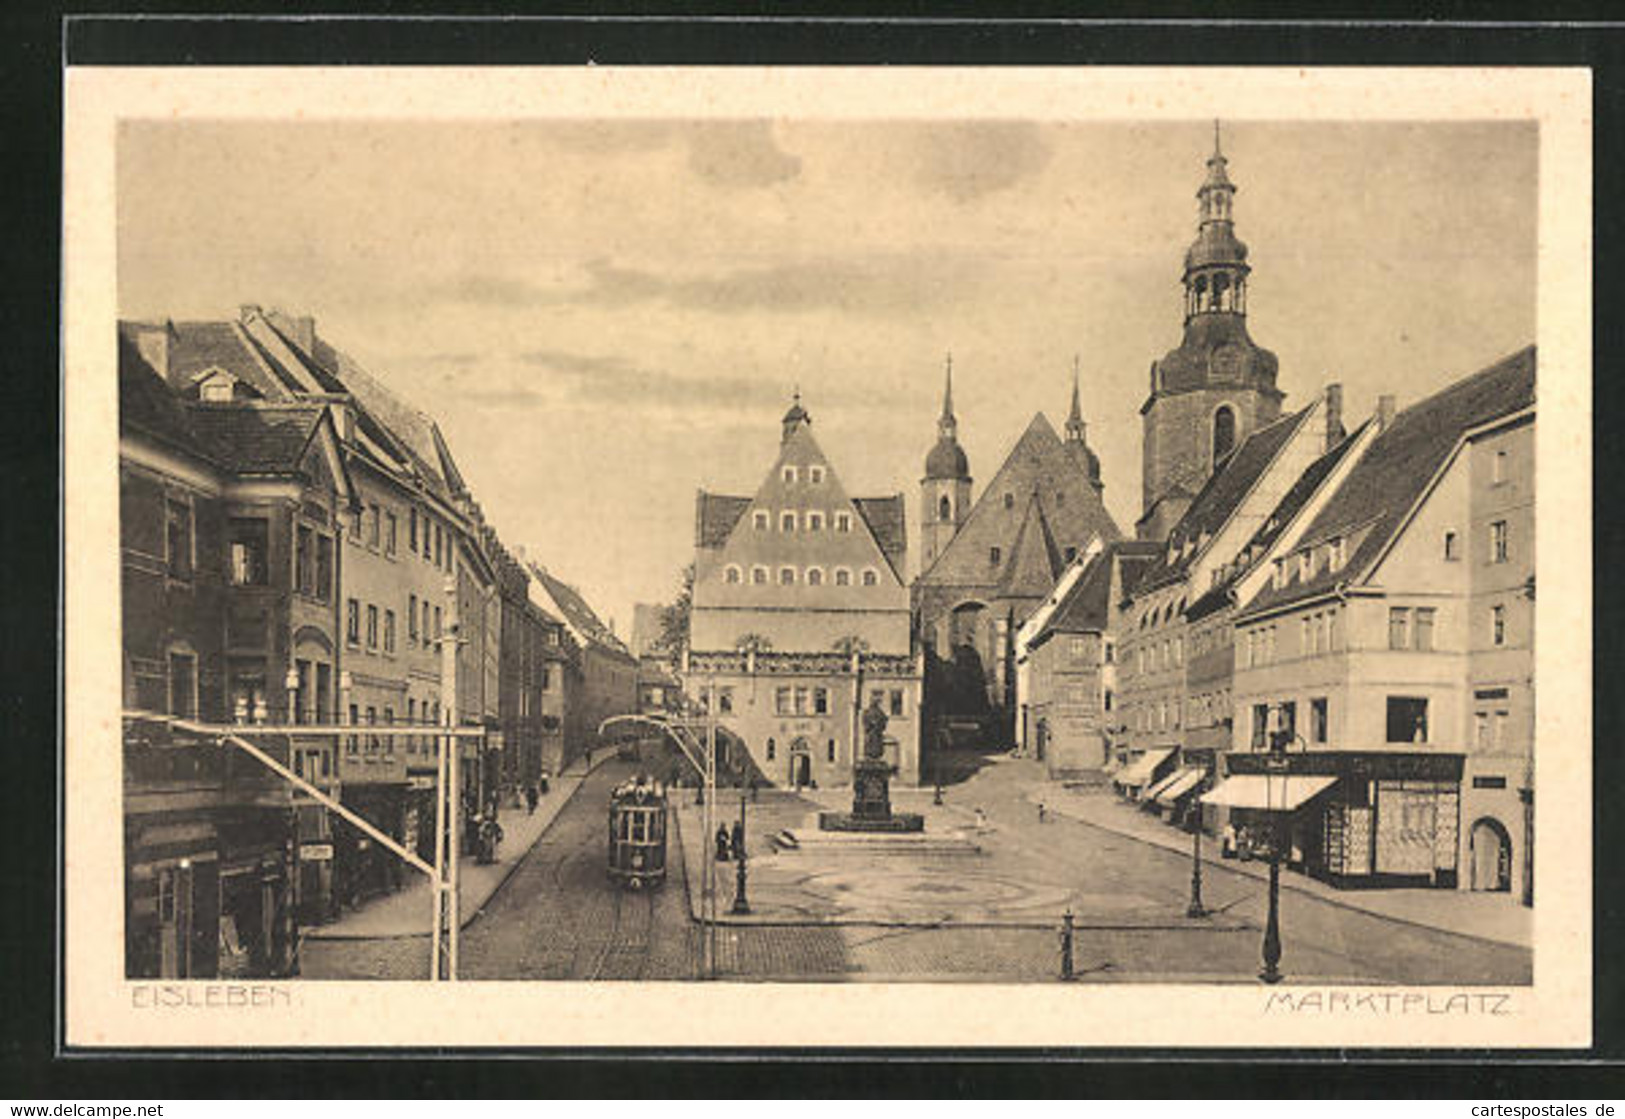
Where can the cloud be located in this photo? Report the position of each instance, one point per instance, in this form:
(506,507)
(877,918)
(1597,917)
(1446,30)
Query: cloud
(606,378)
(740,155)
(487,291)
(970,160)
(878,285)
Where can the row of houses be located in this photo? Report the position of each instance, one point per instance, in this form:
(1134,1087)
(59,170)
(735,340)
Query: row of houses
(298,544)
(1338,627)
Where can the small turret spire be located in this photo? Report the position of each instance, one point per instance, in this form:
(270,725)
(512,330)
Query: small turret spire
(1074,419)
(948,391)
(796,416)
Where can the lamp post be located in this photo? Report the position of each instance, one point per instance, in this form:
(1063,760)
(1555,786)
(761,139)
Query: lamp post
(1275,764)
(1196,908)
(741,906)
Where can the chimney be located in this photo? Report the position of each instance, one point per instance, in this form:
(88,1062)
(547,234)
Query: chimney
(1385,411)
(1334,415)
(304,333)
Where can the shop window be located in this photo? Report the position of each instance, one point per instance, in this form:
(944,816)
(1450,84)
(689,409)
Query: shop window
(248,551)
(178,538)
(1407,719)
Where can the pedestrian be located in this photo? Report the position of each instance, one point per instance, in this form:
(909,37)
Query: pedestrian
(1227,841)
(1040,812)
(739,839)
(723,854)
(544,782)
(531,797)
(981,819)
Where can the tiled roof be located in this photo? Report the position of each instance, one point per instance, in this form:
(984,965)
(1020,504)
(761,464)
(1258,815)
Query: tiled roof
(1087,606)
(884,516)
(577,612)
(1218,498)
(257,438)
(715,515)
(1287,508)
(1188,365)
(1399,465)
(197,346)
(1035,561)
(148,405)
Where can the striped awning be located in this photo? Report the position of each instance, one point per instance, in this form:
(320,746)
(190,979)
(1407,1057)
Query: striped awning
(1139,771)
(1182,782)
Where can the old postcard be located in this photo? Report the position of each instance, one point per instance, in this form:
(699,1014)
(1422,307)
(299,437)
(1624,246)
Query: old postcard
(953,557)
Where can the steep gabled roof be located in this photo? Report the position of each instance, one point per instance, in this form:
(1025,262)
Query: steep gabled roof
(577,613)
(1087,607)
(885,518)
(1219,497)
(1276,523)
(715,515)
(1035,562)
(149,406)
(1402,462)
(255,438)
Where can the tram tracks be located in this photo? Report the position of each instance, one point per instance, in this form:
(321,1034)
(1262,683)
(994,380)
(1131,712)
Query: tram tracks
(624,953)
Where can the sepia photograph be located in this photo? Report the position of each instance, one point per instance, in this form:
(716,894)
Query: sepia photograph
(994,543)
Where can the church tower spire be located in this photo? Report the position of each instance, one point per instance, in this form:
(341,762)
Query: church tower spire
(1218,386)
(1074,418)
(945,489)
(1076,441)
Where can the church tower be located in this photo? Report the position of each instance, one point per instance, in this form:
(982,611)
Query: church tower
(1218,386)
(945,489)
(1076,443)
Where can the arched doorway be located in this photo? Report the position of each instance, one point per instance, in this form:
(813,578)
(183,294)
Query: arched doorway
(1491,856)
(800,764)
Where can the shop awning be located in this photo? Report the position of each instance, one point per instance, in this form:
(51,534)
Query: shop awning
(1259,790)
(1177,786)
(1168,779)
(1139,771)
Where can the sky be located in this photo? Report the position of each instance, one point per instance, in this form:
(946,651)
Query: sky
(604,316)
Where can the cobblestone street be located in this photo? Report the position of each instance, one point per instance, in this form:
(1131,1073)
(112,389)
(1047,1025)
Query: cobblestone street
(558,917)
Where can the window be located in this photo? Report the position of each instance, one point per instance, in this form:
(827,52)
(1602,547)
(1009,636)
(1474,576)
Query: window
(178,538)
(760,521)
(1079,647)
(1501,727)
(439,547)
(1498,542)
(801,696)
(374,516)
(1498,625)
(1398,627)
(1009,501)
(1305,636)
(789,475)
(1482,731)
(302,695)
(247,552)
(787,522)
(324,567)
(732,574)
(1424,628)
(1489,782)
(725,700)
(758,575)
(182,685)
(870,577)
(411,619)
(843,522)
(815,474)
(829,753)
(815,576)
(1110,653)
(1337,553)
(372,626)
(304,561)
(427,632)
(781,701)
(1305,568)
(1451,551)
(355,524)
(412,709)
(994,555)
(389,631)
(1333,636)
(897,703)
(412,529)
(772,749)
(428,539)
(1288,724)
(352,622)
(1261,723)
(843,577)
(372,721)
(820,701)
(945,509)
(1224,432)
(1317,719)
(355,720)
(1498,468)
(815,522)
(1407,719)
(1107,700)
(438,622)
(324,691)
(1060,500)
(787,576)
(389,534)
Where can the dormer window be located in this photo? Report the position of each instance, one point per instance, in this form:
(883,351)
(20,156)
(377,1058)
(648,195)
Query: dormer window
(871,578)
(815,522)
(843,522)
(789,475)
(994,555)
(760,521)
(815,475)
(758,575)
(843,577)
(733,574)
(787,576)
(787,522)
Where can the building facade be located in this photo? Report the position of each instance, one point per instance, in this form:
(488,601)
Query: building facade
(601,678)
(800,611)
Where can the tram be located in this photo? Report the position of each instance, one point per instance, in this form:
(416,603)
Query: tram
(637,833)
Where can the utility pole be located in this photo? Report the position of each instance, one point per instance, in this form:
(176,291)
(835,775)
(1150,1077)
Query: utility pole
(448,811)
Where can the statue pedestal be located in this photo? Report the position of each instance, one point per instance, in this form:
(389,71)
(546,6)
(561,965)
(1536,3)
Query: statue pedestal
(871,803)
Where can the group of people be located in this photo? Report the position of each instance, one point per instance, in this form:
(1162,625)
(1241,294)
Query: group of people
(730,845)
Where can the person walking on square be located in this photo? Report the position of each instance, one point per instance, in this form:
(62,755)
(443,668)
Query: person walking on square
(1040,812)
(981,819)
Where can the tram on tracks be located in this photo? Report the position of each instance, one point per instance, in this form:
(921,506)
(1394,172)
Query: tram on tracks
(637,834)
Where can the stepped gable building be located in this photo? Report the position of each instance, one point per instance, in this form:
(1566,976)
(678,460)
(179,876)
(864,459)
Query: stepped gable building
(1218,385)
(800,613)
(1392,646)
(988,565)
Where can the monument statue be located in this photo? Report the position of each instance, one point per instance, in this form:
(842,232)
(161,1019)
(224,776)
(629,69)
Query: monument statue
(874,729)
(871,784)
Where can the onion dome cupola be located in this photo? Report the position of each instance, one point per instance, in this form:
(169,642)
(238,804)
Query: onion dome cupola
(795,417)
(947,460)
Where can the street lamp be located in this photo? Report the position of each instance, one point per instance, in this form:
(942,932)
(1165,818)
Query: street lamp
(741,906)
(1275,763)
(1196,908)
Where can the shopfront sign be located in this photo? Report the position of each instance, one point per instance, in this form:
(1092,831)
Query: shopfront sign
(316,852)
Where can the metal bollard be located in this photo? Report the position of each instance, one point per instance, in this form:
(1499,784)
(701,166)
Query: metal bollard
(1066,945)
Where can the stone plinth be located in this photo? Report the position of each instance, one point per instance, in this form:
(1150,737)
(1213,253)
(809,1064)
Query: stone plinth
(871,804)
